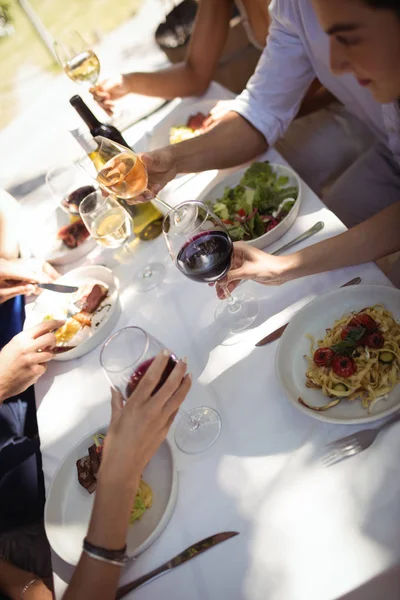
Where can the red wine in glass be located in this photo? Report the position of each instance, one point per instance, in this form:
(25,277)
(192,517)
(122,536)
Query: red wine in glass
(141,370)
(206,257)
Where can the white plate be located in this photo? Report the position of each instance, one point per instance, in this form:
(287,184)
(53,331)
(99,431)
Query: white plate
(69,505)
(213,192)
(51,303)
(314,319)
(178,116)
(44,243)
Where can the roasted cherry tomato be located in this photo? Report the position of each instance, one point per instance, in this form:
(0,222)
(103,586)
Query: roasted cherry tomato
(373,340)
(364,320)
(344,366)
(323,357)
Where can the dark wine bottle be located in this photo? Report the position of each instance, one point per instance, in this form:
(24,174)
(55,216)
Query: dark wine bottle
(95,126)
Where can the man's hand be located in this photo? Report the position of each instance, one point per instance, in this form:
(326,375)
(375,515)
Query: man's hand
(161,169)
(25,358)
(251,263)
(109,90)
(20,275)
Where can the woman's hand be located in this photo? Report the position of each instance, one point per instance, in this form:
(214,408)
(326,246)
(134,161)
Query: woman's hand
(20,275)
(109,90)
(251,263)
(138,428)
(25,358)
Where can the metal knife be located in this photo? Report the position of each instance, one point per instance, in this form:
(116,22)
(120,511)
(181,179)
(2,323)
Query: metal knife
(312,231)
(56,287)
(179,559)
(275,335)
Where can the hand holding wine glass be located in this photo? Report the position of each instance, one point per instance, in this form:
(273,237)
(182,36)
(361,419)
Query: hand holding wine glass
(249,263)
(128,355)
(202,249)
(107,91)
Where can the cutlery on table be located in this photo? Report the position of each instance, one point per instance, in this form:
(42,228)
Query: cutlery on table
(355,443)
(275,335)
(56,287)
(312,231)
(179,559)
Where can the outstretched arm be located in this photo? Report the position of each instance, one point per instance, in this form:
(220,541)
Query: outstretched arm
(372,239)
(189,78)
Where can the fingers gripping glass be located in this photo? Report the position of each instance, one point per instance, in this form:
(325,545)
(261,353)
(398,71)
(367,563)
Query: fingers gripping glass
(125,358)
(201,248)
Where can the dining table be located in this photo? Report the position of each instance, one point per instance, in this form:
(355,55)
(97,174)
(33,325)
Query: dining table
(306,532)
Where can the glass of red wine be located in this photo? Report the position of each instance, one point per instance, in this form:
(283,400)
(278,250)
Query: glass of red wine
(201,248)
(125,358)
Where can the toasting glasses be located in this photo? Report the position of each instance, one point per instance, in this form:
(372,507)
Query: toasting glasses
(201,248)
(122,173)
(125,358)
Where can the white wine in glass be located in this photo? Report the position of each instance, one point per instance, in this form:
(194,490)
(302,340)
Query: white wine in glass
(78,60)
(108,222)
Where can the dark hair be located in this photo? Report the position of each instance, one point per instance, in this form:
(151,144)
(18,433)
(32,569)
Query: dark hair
(388,4)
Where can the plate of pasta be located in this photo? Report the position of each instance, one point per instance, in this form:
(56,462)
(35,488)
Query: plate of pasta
(72,491)
(339,358)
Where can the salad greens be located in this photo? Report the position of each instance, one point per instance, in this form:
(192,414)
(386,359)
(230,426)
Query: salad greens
(255,206)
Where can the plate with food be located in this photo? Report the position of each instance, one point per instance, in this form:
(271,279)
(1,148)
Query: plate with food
(90,313)
(339,358)
(183,123)
(257,204)
(73,488)
(62,239)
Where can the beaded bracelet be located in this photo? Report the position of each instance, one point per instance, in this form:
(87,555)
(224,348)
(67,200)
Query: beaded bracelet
(27,586)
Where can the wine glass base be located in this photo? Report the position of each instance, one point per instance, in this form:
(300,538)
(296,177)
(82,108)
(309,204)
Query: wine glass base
(149,277)
(197,440)
(237,320)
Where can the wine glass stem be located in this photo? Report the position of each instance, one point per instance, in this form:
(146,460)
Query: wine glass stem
(164,204)
(233,303)
(191,423)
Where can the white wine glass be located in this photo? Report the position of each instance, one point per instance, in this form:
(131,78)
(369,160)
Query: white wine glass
(106,220)
(78,60)
(125,358)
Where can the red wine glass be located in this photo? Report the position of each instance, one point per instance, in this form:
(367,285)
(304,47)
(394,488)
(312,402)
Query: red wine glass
(125,358)
(200,246)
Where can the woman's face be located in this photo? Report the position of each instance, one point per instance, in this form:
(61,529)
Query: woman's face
(365,42)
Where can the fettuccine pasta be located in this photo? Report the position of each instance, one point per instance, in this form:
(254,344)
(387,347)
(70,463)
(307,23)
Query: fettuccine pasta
(143,501)
(360,360)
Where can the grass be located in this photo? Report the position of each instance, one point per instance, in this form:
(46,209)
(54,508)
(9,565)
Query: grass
(22,54)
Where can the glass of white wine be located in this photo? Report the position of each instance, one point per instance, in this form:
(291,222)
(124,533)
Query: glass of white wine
(108,222)
(78,60)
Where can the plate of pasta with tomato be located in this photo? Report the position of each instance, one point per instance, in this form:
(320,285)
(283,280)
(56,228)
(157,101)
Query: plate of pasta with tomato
(339,358)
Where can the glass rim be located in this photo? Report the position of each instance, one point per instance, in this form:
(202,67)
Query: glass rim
(180,205)
(95,193)
(115,335)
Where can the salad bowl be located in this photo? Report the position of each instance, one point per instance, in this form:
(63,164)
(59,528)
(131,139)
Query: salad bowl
(240,198)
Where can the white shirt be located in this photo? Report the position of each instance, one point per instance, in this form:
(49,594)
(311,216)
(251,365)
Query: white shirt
(296,52)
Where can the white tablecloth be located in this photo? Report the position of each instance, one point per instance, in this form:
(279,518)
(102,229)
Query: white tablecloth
(306,533)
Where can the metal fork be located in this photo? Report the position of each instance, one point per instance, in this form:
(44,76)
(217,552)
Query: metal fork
(354,443)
